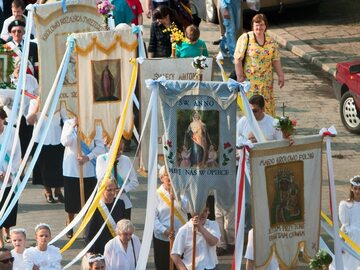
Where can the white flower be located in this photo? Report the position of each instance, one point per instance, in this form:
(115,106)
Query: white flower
(276,122)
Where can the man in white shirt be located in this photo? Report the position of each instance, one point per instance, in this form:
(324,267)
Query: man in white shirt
(207,236)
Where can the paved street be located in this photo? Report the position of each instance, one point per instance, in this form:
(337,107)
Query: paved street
(308,98)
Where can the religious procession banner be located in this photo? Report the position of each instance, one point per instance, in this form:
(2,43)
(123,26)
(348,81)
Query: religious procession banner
(104,73)
(171,69)
(199,140)
(286,195)
(53,26)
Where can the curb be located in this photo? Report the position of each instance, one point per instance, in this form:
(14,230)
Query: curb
(301,49)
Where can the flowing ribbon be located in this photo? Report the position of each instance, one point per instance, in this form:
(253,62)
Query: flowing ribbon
(20,85)
(63,5)
(152,180)
(85,250)
(86,150)
(220,61)
(54,92)
(167,201)
(331,132)
(111,160)
(108,219)
(138,30)
(243,88)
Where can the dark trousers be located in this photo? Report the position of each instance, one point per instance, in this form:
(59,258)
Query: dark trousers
(127,214)
(161,254)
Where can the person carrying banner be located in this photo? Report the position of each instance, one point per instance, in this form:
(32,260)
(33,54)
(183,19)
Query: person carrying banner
(73,159)
(102,212)
(162,230)
(349,215)
(16,45)
(122,169)
(10,221)
(207,236)
(122,252)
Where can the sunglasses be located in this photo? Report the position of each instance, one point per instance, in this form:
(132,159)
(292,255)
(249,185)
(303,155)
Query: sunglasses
(6,261)
(16,31)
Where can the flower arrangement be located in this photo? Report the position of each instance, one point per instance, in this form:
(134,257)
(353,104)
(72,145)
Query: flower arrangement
(321,261)
(199,62)
(176,35)
(104,8)
(285,124)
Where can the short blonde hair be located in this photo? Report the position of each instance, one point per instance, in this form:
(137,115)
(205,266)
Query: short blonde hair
(162,171)
(124,225)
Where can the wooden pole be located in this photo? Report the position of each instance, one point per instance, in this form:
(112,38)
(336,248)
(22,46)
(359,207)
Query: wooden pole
(194,248)
(81,174)
(171,267)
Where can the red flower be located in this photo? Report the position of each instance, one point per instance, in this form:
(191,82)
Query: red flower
(293,122)
(169,143)
(227,145)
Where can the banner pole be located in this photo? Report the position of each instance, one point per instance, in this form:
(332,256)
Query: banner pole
(194,249)
(171,226)
(81,173)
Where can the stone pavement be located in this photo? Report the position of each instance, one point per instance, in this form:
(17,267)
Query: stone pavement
(324,37)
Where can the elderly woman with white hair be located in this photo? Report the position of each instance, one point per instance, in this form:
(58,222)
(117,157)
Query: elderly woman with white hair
(122,252)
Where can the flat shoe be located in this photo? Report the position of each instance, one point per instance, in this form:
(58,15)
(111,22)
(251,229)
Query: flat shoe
(70,234)
(49,198)
(60,197)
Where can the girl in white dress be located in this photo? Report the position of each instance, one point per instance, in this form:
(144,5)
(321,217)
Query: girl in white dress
(18,240)
(42,256)
(96,262)
(349,215)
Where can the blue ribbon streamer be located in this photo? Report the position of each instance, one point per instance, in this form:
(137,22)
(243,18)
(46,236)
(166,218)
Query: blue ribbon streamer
(86,150)
(43,134)
(63,5)
(235,85)
(137,29)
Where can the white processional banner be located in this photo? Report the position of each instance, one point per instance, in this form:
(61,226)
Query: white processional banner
(53,26)
(286,196)
(104,72)
(171,69)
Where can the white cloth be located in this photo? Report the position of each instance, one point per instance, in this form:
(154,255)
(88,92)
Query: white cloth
(250,252)
(206,257)
(54,133)
(5,33)
(162,215)
(70,141)
(17,155)
(266,126)
(19,263)
(50,259)
(117,258)
(31,86)
(123,167)
(349,215)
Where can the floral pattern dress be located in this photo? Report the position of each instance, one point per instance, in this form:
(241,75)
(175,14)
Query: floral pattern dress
(258,66)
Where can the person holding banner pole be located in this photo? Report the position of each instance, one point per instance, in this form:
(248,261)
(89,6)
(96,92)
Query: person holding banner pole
(349,215)
(4,168)
(86,158)
(167,212)
(207,236)
(122,169)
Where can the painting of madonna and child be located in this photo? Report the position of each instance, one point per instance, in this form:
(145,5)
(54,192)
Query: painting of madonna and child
(284,184)
(197,138)
(106,80)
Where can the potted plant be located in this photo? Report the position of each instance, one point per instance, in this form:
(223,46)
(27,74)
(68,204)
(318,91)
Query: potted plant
(321,261)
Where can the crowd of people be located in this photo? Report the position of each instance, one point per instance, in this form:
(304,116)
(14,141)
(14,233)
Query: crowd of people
(255,56)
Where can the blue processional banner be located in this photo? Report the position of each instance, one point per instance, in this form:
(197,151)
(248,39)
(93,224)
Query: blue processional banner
(199,140)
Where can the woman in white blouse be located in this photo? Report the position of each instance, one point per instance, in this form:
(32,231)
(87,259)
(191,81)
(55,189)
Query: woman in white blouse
(122,252)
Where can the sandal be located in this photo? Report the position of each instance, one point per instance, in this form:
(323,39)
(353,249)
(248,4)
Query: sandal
(49,198)
(70,234)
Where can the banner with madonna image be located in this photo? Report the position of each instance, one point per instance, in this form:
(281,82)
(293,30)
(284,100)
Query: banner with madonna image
(286,196)
(105,79)
(199,140)
(53,26)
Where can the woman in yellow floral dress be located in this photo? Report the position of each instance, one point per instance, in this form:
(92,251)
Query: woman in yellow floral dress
(262,55)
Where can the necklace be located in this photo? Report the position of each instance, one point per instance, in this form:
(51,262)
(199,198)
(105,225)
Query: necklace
(263,43)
